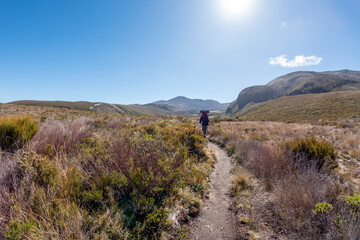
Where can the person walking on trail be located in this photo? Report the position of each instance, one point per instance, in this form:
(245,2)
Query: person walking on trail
(204,121)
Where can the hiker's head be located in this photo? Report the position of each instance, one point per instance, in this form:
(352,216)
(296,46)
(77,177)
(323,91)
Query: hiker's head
(204,114)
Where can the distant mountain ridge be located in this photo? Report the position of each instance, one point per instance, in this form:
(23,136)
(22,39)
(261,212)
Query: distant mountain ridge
(175,106)
(186,104)
(297,83)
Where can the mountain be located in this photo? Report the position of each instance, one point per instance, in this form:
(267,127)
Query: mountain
(297,83)
(186,104)
(175,106)
(135,109)
(306,107)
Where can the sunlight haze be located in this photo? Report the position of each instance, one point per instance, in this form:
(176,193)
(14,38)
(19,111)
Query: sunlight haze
(233,10)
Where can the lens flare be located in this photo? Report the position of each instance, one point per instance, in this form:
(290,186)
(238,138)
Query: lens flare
(236,9)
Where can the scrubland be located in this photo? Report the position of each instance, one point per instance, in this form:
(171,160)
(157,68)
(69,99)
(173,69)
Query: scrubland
(294,180)
(69,174)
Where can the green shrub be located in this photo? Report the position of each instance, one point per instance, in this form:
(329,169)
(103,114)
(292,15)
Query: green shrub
(15,131)
(18,230)
(353,201)
(230,150)
(155,222)
(323,207)
(312,150)
(43,170)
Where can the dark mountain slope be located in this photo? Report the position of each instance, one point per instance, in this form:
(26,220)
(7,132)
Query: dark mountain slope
(307,107)
(298,83)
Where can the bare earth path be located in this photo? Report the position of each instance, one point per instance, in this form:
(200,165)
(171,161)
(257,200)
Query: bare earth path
(215,220)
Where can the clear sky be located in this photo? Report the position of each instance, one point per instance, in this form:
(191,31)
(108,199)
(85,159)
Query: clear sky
(140,51)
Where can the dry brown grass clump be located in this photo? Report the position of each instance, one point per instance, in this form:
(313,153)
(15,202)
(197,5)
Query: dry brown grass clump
(60,136)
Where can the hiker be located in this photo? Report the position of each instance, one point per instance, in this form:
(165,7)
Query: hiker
(204,120)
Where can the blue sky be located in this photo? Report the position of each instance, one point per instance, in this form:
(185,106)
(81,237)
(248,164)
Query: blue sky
(140,51)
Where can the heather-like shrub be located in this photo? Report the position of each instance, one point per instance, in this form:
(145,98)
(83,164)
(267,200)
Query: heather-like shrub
(16,131)
(155,222)
(116,183)
(43,171)
(20,229)
(322,153)
(230,150)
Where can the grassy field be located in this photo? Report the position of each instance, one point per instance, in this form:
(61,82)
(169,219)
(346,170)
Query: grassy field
(304,108)
(68,174)
(294,180)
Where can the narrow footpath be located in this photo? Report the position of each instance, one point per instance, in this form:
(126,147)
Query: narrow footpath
(216,221)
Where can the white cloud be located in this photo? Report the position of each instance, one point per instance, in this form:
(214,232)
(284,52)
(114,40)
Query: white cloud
(298,61)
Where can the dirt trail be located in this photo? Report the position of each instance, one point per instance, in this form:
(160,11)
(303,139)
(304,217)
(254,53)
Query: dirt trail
(215,220)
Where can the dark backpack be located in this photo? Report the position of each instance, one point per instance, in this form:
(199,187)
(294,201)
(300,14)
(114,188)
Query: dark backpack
(205,121)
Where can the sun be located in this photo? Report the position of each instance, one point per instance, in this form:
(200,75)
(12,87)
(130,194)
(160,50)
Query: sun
(236,9)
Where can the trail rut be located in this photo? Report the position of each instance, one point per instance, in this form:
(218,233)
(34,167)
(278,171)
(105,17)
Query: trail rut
(216,221)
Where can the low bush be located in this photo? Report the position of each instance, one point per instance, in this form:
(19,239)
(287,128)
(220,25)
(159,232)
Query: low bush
(239,183)
(16,131)
(311,150)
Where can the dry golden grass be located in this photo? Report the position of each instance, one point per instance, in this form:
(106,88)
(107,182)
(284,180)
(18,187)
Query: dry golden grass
(285,187)
(345,140)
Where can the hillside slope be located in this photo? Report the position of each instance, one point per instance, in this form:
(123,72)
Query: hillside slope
(297,83)
(309,107)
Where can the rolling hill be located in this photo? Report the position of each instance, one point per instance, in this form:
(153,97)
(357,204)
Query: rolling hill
(307,107)
(297,83)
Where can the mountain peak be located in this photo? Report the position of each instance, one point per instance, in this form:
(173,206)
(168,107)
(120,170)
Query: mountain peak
(184,104)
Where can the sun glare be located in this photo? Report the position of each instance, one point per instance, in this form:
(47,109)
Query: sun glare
(236,9)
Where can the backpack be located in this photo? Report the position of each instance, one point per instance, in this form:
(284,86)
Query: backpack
(205,121)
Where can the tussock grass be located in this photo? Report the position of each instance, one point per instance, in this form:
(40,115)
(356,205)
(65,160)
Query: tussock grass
(16,131)
(55,136)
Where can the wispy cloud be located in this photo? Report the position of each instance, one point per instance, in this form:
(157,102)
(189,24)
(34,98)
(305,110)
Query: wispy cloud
(283,24)
(298,61)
